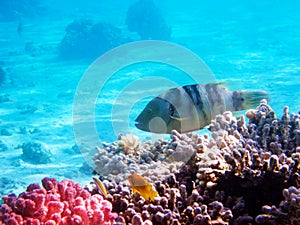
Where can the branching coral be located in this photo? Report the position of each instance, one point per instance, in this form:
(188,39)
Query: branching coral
(156,160)
(236,176)
(288,211)
(56,203)
(129,143)
(230,178)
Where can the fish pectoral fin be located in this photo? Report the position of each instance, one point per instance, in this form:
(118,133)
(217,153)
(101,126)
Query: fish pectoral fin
(179,119)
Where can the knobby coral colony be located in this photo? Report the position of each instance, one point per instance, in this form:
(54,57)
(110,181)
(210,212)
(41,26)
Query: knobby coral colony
(246,173)
(56,203)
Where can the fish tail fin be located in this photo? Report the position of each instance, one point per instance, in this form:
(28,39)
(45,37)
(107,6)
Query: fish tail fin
(251,99)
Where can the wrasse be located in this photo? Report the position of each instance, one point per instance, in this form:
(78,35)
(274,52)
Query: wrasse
(140,185)
(192,107)
(100,186)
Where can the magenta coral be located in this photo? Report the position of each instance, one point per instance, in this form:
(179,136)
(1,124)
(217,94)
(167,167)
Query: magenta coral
(62,203)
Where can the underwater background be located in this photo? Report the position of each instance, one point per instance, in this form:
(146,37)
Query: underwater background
(48,46)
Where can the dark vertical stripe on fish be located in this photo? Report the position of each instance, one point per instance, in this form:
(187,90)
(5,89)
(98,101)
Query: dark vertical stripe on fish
(194,94)
(215,98)
(236,101)
(199,101)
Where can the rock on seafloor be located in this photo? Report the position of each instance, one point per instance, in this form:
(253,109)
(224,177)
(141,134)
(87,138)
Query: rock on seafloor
(86,39)
(244,173)
(145,18)
(36,153)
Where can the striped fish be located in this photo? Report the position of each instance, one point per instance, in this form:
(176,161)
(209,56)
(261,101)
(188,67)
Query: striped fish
(192,107)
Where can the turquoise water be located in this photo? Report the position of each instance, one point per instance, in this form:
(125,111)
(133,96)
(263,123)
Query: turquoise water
(251,45)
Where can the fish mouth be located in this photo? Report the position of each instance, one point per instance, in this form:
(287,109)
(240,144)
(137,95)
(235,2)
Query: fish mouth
(139,125)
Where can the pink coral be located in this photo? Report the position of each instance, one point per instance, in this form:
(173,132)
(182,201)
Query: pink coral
(61,203)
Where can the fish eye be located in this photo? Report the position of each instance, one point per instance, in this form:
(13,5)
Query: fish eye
(171,108)
(242,99)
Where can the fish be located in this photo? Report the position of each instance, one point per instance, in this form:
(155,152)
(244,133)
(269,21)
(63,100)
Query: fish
(141,186)
(192,107)
(100,186)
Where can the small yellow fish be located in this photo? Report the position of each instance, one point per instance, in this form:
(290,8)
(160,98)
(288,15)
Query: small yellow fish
(142,186)
(100,186)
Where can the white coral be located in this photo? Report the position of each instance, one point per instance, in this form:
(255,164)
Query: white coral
(130,143)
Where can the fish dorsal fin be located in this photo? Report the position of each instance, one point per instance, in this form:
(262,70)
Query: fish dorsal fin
(233,85)
(137,180)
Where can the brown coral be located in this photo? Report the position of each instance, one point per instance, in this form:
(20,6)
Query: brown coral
(228,178)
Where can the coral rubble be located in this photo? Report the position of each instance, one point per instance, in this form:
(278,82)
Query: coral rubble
(56,203)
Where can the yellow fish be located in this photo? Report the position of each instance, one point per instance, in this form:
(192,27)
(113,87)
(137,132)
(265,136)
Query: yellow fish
(142,186)
(100,186)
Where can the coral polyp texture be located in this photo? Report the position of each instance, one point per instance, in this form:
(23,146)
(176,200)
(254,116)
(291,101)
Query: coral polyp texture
(243,173)
(288,211)
(63,202)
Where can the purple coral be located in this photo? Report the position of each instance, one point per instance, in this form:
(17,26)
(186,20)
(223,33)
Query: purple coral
(229,178)
(288,211)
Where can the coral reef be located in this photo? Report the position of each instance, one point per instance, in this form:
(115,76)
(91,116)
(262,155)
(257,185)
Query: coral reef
(145,18)
(56,203)
(126,156)
(14,10)
(235,176)
(129,143)
(86,39)
(36,153)
(288,211)
(242,174)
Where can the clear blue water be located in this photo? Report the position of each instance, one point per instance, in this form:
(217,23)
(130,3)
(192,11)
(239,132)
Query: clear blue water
(253,44)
